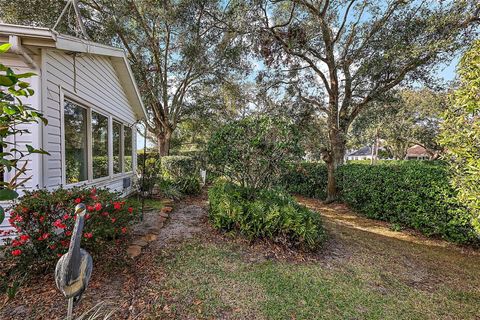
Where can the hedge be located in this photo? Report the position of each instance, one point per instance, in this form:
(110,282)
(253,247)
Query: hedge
(181,172)
(308,179)
(270,214)
(409,193)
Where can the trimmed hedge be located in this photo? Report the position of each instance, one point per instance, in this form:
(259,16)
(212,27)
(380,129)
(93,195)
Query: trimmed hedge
(264,214)
(308,179)
(409,193)
(181,172)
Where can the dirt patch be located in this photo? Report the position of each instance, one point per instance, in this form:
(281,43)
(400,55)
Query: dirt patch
(184,223)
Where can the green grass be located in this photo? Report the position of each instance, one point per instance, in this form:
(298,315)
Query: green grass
(208,280)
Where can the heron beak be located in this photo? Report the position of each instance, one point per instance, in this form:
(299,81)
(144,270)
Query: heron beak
(79,208)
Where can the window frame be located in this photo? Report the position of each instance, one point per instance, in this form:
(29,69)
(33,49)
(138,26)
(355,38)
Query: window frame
(67,96)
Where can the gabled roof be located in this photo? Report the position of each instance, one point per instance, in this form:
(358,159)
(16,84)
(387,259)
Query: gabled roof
(364,151)
(44,37)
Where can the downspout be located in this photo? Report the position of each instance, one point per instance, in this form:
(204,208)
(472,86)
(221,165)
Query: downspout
(17,48)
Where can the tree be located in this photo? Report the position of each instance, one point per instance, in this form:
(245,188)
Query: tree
(343,55)
(174,47)
(406,118)
(461,133)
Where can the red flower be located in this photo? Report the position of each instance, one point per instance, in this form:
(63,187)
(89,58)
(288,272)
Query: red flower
(44,236)
(90,208)
(59,255)
(41,219)
(124,230)
(58,223)
(94,190)
(16,252)
(98,206)
(94,197)
(24,237)
(113,220)
(16,243)
(66,216)
(68,233)
(130,209)
(52,247)
(88,235)
(65,243)
(117,205)
(87,216)
(78,200)
(105,214)
(24,210)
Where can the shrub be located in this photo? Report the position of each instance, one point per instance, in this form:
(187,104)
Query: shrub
(44,221)
(308,179)
(409,193)
(461,133)
(253,151)
(182,173)
(267,214)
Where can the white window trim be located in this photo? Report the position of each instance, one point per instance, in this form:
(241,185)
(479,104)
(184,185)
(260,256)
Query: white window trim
(70,96)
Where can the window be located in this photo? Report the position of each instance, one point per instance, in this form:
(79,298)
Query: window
(75,143)
(117,147)
(99,145)
(127,148)
(94,144)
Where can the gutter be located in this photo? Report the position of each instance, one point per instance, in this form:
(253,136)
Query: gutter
(17,48)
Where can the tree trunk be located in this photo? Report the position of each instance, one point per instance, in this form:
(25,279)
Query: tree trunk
(163,143)
(334,158)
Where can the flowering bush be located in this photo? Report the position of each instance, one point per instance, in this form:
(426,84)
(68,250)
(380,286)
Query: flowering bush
(44,221)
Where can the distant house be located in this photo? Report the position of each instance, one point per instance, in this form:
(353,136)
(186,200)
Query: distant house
(417,152)
(87,92)
(364,153)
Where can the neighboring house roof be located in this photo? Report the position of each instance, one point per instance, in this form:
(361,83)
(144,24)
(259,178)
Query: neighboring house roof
(44,37)
(362,152)
(417,151)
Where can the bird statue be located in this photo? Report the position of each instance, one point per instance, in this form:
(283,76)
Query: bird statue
(74,268)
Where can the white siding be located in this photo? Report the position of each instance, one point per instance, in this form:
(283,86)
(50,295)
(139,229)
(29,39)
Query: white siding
(97,86)
(33,137)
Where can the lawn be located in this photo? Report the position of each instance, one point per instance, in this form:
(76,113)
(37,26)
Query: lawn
(367,271)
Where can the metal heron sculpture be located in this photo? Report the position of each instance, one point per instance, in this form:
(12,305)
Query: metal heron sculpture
(74,268)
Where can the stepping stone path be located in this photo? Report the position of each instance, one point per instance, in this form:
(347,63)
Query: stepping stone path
(149,229)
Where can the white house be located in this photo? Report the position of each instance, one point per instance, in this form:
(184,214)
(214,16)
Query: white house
(89,96)
(364,153)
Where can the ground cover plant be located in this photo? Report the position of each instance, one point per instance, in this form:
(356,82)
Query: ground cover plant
(269,214)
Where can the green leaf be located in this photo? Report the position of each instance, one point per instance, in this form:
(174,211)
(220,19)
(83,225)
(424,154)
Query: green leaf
(4,47)
(7,81)
(7,194)
(2,214)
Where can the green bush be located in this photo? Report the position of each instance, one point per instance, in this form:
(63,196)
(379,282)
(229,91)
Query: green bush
(267,214)
(308,179)
(253,151)
(460,133)
(408,193)
(182,173)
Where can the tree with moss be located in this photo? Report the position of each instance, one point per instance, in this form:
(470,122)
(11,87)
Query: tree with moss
(341,56)
(461,133)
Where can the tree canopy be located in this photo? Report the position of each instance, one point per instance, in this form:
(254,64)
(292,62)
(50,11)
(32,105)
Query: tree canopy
(341,56)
